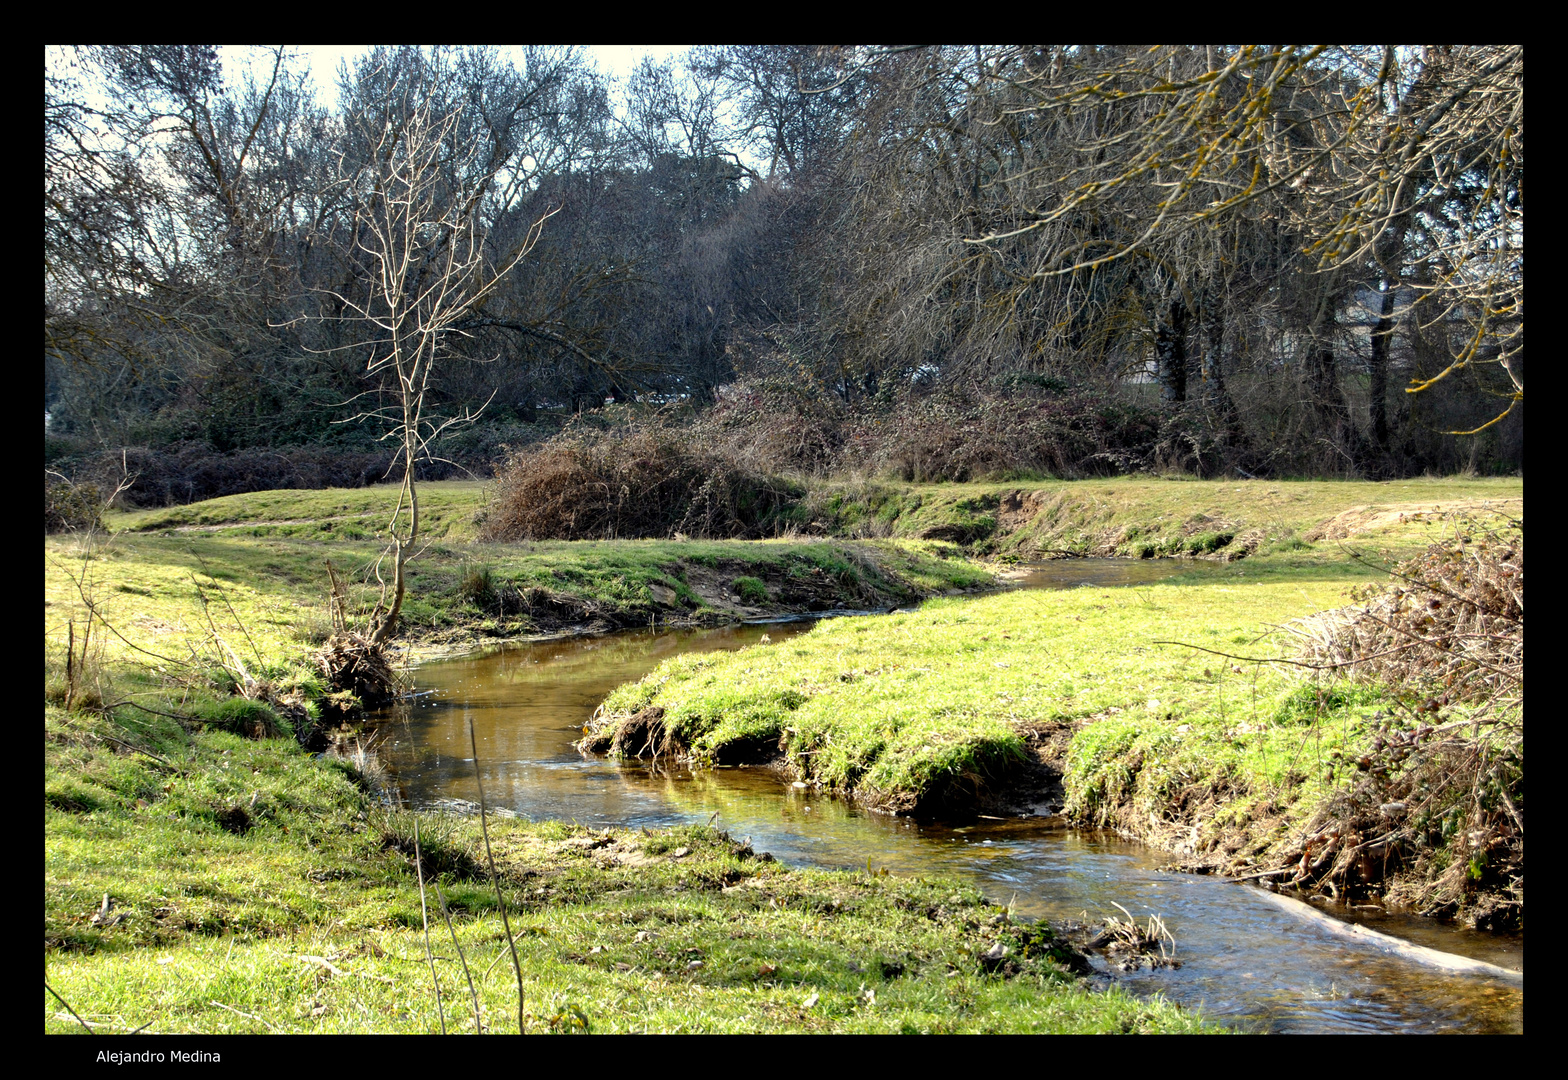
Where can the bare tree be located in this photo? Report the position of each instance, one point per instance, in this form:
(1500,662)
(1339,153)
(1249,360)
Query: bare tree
(418,238)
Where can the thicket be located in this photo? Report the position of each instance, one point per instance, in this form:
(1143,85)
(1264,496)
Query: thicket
(644,479)
(1436,805)
(192,470)
(736,470)
(70,507)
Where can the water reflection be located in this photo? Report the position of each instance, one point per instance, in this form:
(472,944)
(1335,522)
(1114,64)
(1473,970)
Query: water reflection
(1244,961)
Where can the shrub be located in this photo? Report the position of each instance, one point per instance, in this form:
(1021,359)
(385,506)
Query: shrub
(640,481)
(1438,796)
(71,507)
(959,436)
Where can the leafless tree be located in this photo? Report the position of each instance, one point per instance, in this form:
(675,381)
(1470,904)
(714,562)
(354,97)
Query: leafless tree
(417,234)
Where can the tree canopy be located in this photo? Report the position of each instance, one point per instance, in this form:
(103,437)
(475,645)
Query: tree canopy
(1270,244)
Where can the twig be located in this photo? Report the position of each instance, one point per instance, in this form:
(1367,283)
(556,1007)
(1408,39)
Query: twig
(139,750)
(246,1015)
(462,958)
(172,716)
(92,608)
(495,880)
(1263,874)
(85,1026)
(244,680)
(424,915)
(498,957)
(1271,660)
(225,598)
(1426,585)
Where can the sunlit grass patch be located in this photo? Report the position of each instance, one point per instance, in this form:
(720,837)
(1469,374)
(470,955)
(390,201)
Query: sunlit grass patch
(901,709)
(679,931)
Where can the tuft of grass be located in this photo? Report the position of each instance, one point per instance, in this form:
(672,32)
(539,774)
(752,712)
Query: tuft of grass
(751,590)
(255,719)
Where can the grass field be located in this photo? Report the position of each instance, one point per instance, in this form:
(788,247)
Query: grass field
(251,887)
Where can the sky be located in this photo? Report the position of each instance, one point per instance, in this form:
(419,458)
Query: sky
(616,60)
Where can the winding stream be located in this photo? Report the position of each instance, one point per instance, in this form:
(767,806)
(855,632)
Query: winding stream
(1244,961)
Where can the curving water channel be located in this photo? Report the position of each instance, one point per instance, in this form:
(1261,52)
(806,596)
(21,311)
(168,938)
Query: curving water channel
(1244,961)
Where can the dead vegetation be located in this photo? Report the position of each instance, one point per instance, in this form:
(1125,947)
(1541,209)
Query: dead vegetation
(1433,809)
(642,734)
(358,670)
(1129,946)
(646,480)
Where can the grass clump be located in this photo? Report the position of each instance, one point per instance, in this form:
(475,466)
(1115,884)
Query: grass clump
(751,590)
(243,716)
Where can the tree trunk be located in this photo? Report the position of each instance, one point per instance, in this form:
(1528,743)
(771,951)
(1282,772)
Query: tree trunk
(387,625)
(1382,335)
(1170,352)
(1216,398)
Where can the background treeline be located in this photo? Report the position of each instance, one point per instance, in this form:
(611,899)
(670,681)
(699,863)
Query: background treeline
(929,262)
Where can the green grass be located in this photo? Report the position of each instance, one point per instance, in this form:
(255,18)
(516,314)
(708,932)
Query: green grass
(1201,752)
(306,917)
(1135,516)
(239,869)
(892,707)
(145,579)
(448,509)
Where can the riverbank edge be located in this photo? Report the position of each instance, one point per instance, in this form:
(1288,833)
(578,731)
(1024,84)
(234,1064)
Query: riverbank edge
(158,786)
(1035,768)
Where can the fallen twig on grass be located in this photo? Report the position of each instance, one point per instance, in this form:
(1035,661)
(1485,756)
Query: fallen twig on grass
(246,1015)
(495,879)
(85,1025)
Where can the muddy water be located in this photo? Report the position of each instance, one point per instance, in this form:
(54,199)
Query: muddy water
(1243,961)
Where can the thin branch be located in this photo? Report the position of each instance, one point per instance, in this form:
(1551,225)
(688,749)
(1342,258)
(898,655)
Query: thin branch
(472,993)
(85,1026)
(495,879)
(424,915)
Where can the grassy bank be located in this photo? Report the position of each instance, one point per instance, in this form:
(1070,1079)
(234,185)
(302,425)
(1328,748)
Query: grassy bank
(921,707)
(262,558)
(1144,517)
(251,888)
(1116,697)
(200,876)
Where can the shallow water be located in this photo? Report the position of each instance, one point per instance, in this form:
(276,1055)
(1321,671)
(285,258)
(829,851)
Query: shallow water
(1244,961)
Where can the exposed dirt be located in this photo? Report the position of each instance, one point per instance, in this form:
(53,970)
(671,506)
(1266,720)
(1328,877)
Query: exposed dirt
(1361,519)
(1032,788)
(1017,509)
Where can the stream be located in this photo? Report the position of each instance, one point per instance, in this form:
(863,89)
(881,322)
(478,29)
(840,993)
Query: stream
(1244,962)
